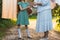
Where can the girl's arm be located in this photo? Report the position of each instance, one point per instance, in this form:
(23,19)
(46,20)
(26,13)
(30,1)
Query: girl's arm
(23,8)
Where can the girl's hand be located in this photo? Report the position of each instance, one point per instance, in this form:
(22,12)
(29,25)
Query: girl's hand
(29,7)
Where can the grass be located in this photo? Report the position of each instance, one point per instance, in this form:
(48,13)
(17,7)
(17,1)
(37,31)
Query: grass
(33,16)
(2,33)
(57,28)
(5,24)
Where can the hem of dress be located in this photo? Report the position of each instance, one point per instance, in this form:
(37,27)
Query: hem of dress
(22,24)
(43,31)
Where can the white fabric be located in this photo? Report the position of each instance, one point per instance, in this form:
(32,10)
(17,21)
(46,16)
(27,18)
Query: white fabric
(19,33)
(28,33)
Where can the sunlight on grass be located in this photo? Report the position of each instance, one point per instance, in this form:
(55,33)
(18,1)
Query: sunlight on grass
(56,27)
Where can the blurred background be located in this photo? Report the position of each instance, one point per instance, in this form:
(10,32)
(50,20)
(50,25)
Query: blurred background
(8,13)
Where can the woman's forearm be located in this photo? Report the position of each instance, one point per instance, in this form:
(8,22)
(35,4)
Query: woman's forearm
(40,4)
(34,4)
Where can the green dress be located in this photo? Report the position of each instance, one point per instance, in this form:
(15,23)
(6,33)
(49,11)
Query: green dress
(22,18)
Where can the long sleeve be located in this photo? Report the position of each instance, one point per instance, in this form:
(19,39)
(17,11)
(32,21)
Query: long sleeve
(45,5)
(44,2)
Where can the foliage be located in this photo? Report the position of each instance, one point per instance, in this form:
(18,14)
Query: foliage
(33,16)
(5,23)
(56,13)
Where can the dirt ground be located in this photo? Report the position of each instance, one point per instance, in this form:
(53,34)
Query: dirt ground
(12,33)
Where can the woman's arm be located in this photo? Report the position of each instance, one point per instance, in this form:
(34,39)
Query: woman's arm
(43,2)
(34,4)
(40,4)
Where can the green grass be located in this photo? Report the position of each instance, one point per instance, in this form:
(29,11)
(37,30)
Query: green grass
(1,35)
(5,24)
(34,16)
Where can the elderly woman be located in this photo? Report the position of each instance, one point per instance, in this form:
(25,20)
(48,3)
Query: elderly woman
(44,17)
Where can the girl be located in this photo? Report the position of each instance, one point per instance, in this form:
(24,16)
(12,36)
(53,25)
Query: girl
(22,18)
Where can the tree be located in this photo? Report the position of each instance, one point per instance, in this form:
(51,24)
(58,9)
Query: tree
(56,13)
